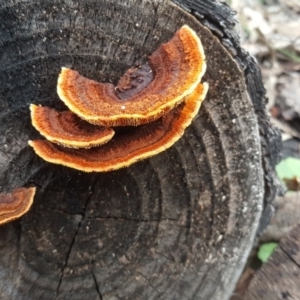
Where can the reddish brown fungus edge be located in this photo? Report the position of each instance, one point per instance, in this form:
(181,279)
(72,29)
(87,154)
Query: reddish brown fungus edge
(127,149)
(15,204)
(105,108)
(75,133)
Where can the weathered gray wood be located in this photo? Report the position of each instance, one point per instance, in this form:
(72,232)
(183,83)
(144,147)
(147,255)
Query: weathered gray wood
(220,19)
(177,226)
(279,277)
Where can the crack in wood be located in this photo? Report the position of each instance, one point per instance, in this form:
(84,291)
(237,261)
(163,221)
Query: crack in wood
(74,238)
(289,256)
(96,285)
(165,256)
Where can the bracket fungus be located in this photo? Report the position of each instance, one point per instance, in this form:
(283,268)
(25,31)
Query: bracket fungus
(66,129)
(178,67)
(15,204)
(142,142)
(157,109)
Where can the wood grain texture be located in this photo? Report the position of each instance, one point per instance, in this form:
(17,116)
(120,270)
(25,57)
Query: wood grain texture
(177,226)
(279,277)
(220,20)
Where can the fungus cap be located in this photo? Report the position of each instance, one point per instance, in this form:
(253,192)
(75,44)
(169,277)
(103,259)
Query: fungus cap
(15,204)
(66,129)
(142,142)
(177,67)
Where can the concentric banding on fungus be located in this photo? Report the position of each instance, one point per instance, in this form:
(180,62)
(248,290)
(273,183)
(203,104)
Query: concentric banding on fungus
(178,67)
(15,204)
(66,129)
(142,142)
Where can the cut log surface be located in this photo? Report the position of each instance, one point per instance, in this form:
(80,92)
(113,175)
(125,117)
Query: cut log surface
(177,226)
(279,277)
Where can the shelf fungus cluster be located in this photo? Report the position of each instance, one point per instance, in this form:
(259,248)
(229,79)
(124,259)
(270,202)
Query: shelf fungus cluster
(109,127)
(15,204)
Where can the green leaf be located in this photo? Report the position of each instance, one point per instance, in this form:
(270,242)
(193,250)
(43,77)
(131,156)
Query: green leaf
(288,168)
(265,251)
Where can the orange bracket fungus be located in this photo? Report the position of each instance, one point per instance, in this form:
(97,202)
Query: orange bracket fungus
(177,68)
(141,142)
(66,129)
(15,204)
(156,102)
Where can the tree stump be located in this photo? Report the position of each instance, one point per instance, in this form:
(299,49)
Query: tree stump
(177,226)
(279,277)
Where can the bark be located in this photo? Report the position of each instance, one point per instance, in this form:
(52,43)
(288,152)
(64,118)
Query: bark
(177,226)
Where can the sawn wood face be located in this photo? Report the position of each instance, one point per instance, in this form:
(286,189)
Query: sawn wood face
(175,226)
